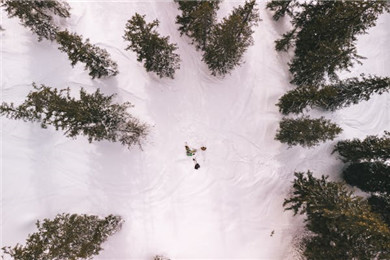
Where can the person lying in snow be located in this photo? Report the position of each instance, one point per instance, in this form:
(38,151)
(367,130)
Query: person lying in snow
(190,152)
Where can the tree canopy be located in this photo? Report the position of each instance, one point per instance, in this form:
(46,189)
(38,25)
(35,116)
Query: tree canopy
(324,35)
(92,115)
(66,237)
(156,51)
(342,225)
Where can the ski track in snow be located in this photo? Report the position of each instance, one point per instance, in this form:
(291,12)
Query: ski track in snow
(226,209)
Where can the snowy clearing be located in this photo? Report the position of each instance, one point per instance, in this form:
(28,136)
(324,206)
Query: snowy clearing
(228,208)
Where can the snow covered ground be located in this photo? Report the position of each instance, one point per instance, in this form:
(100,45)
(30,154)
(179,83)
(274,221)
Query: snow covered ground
(225,210)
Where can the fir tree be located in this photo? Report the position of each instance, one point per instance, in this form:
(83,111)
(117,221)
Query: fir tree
(197,19)
(324,35)
(296,100)
(93,115)
(66,237)
(380,204)
(96,60)
(281,8)
(341,225)
(351,91)
(306,132)
(37,15)
(333,96)
(161,257)
(369,176)
(229,39)
(156,51)
(372,148)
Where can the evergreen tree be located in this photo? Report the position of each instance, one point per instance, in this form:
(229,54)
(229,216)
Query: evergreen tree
(372,148)
(306,132)
(369,176)
(229,39)
(380,204)
(197,19)
(161,257)
(324,35)
(66,237)
(341,225)
(281,8)
(296,100)
(93,115)
(333,96)
(37,15)
(351,91)
(96,60)
(156,51)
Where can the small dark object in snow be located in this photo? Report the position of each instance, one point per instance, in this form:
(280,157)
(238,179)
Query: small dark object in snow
(197,166)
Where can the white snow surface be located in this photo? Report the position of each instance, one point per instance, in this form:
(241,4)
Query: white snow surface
(225,210)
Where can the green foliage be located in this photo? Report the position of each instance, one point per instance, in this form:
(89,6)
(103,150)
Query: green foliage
(369,170)
(37,15)
(369,176)
(333,96)
(197,19)
(296,100)
(160,257)
(281,8)
(380,204)
(306,132)
(324,35)
(156,52)
(229,39)
(351,91)
(93,115)
(66,237)
(96,60)
(370,149)
(342,225)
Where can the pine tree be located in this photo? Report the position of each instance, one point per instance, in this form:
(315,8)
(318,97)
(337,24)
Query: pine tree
(161,257)
(66,237)
(372,148)
(341,224)
(281,8)
(156,51)
(369,176)
(296,100)
(229,39)
(333,96)
(96,60)
(197,19)
(380,204)
(324,35)
(37,15)
(93,115)
(351,91)
(306,132)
